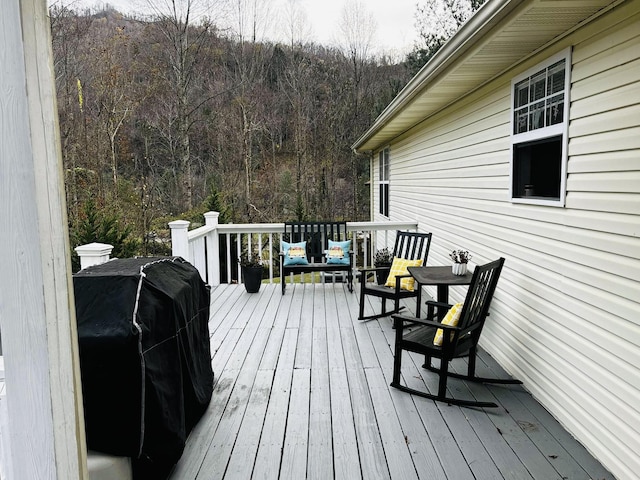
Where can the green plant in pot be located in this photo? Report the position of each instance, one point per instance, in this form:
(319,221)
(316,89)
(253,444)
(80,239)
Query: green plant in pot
(382,260)
(251,268)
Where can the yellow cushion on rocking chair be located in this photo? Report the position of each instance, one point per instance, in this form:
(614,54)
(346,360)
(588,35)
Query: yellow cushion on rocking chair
(451,318)
(399,267)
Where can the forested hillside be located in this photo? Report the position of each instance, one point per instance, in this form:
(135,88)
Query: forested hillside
(161,120)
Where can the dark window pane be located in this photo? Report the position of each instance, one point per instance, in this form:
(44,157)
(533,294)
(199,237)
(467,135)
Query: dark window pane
(521,93)
(538,89)
(556,78)
(555,109)
(384,179)
(520,120)
(386,164)
(536,116)
(537,168)
(383,161)
(384,199)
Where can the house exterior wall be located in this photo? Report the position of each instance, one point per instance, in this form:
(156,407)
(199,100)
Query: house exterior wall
(565,318)
(41,417)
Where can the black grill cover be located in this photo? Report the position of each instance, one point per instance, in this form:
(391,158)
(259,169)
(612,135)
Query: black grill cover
(145,358)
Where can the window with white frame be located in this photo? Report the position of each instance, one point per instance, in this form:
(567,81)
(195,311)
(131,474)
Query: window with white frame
(540,111)
(383,183)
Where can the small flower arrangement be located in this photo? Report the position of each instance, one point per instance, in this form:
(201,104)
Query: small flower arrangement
(460,256)
(250,259)
(383,258)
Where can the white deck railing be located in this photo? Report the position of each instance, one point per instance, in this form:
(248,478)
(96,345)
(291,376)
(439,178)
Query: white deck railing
(210,246)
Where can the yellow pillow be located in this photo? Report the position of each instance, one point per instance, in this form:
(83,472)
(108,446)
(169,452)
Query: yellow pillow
(399,267)
(451,318)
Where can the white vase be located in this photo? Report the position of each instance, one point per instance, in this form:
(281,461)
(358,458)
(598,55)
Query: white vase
(459,268)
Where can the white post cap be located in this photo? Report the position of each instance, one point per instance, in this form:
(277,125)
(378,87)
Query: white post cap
(93,254)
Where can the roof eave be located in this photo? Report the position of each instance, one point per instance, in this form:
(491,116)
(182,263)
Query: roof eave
(481,22)
(480,51)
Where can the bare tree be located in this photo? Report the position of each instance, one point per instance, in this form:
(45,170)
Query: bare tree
(112,92)
(251,19)
(358,27)
(185,25)
(297,26)
(159,113)
(69,33)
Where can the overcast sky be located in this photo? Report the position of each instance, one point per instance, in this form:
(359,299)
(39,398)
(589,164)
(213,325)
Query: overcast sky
(394,19)
(395,32)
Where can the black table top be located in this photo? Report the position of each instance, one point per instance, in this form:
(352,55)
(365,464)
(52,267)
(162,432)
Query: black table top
(431,275)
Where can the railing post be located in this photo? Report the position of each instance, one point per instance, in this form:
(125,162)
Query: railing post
(93,254)
(179,239)
(213,248)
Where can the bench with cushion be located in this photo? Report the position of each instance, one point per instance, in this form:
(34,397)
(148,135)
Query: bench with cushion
(315,247)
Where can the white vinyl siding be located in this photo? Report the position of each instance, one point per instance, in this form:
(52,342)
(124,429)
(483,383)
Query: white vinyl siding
(565,318)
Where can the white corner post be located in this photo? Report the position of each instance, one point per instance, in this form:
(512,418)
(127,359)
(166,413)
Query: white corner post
(180,239)
(213,248)
(44,435)
(93,254)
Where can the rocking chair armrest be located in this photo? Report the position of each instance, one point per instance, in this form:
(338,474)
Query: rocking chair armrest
(434,303)
(399,281)
(470,328)
(450,328)
(371,269)
(400,319)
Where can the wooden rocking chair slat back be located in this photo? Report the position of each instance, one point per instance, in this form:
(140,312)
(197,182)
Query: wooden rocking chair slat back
(411,245)
(479,296)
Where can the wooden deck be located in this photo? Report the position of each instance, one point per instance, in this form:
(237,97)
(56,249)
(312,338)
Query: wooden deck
(302,391)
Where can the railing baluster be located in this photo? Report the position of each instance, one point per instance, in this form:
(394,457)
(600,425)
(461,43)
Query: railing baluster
(213,249)
(270,258)
(228,256)
(238,253)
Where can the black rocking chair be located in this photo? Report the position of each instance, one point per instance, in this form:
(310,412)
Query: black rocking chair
(457,341)
(409,246)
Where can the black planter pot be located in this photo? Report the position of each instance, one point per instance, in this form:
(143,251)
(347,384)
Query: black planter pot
(382,275)
(252,278)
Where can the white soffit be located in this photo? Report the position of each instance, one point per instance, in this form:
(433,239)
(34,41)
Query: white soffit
(500,35)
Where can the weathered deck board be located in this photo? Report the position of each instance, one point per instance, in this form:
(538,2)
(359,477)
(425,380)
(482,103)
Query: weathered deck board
(320,463)
(359,355)
(294,453)
(423,453)
(267,461)
(248,437)
(345,446)
(302,391)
